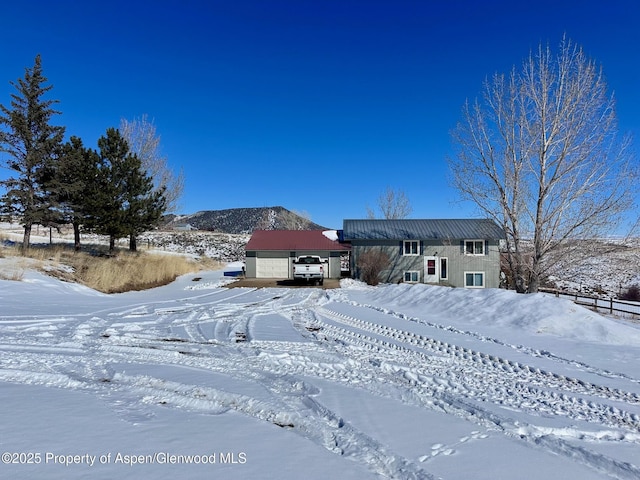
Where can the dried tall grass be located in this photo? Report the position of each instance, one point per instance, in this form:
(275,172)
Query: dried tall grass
(127,272)
(3,239)
(13,274)
(112,274)
(48,253)
(16,266)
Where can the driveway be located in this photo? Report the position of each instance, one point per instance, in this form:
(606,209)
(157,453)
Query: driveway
(329,283)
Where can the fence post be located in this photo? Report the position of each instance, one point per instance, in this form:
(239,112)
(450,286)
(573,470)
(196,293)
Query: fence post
(611,305)
(631,310)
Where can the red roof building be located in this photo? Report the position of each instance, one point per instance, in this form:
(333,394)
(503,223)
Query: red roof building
(270,253)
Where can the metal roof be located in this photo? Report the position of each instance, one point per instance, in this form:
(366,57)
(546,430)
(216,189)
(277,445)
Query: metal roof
(422,229)
(292,240)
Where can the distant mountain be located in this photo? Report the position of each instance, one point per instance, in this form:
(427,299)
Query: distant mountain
(243,220)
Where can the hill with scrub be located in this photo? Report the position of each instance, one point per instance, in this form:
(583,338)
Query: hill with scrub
(243,220)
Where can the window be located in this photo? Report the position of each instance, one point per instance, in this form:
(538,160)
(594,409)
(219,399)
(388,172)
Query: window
(410,247)
(444,274)
(412,276)
(431,266)
(309,260)
(474,247)
(474,279)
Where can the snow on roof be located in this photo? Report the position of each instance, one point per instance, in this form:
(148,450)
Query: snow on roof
(331,234)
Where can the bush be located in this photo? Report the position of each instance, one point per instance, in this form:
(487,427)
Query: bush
(632,294)
(371,263)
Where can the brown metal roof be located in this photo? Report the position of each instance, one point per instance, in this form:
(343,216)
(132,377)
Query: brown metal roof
(293,240)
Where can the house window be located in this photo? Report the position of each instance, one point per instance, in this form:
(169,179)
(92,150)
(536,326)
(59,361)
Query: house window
(444,271)
(474,247)
(410,247)
(474,279)
(431,266)
(412,276)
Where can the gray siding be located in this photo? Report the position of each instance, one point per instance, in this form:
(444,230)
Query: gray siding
(250,266)
(457,261)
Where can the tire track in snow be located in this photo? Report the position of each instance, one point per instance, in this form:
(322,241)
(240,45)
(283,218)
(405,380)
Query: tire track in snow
(383,362)
(446,397)
(484,338)
(142,341)
(463,353)
(496,379)
(381,378)
(298,413)
(243,361)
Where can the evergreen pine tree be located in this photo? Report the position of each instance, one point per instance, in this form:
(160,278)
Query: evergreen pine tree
(122,202)
(144,205)
(73,184)
(33,146)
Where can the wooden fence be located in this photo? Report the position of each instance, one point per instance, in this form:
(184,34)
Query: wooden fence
(610,305)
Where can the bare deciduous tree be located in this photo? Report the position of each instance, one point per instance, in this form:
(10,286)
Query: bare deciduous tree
(140,134)
(540,153)
(392,204)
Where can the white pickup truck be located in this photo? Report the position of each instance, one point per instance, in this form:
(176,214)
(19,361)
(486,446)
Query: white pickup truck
(308,268)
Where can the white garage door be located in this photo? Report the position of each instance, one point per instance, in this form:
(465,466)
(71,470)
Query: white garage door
(272,267)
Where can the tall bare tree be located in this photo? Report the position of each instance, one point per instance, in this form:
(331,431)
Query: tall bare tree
(541,154)
(140,134)
(393,204)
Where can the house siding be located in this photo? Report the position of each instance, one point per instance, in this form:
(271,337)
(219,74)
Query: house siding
(440,238)
(458,261)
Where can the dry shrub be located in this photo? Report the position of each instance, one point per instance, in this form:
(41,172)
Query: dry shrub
(632,294)
(16,267)
(14,274)
(371,264)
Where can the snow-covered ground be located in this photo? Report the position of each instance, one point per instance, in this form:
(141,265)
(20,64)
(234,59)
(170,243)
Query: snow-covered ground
(605,267)
(225,247)
(196,380)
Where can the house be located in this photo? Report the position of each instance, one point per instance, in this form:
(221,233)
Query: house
(270,253)
(186,227)
(460,253)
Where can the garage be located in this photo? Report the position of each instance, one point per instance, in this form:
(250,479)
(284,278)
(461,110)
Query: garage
(269,253)
(272,268)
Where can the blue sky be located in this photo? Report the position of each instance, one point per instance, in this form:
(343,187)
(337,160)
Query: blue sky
(317,106)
